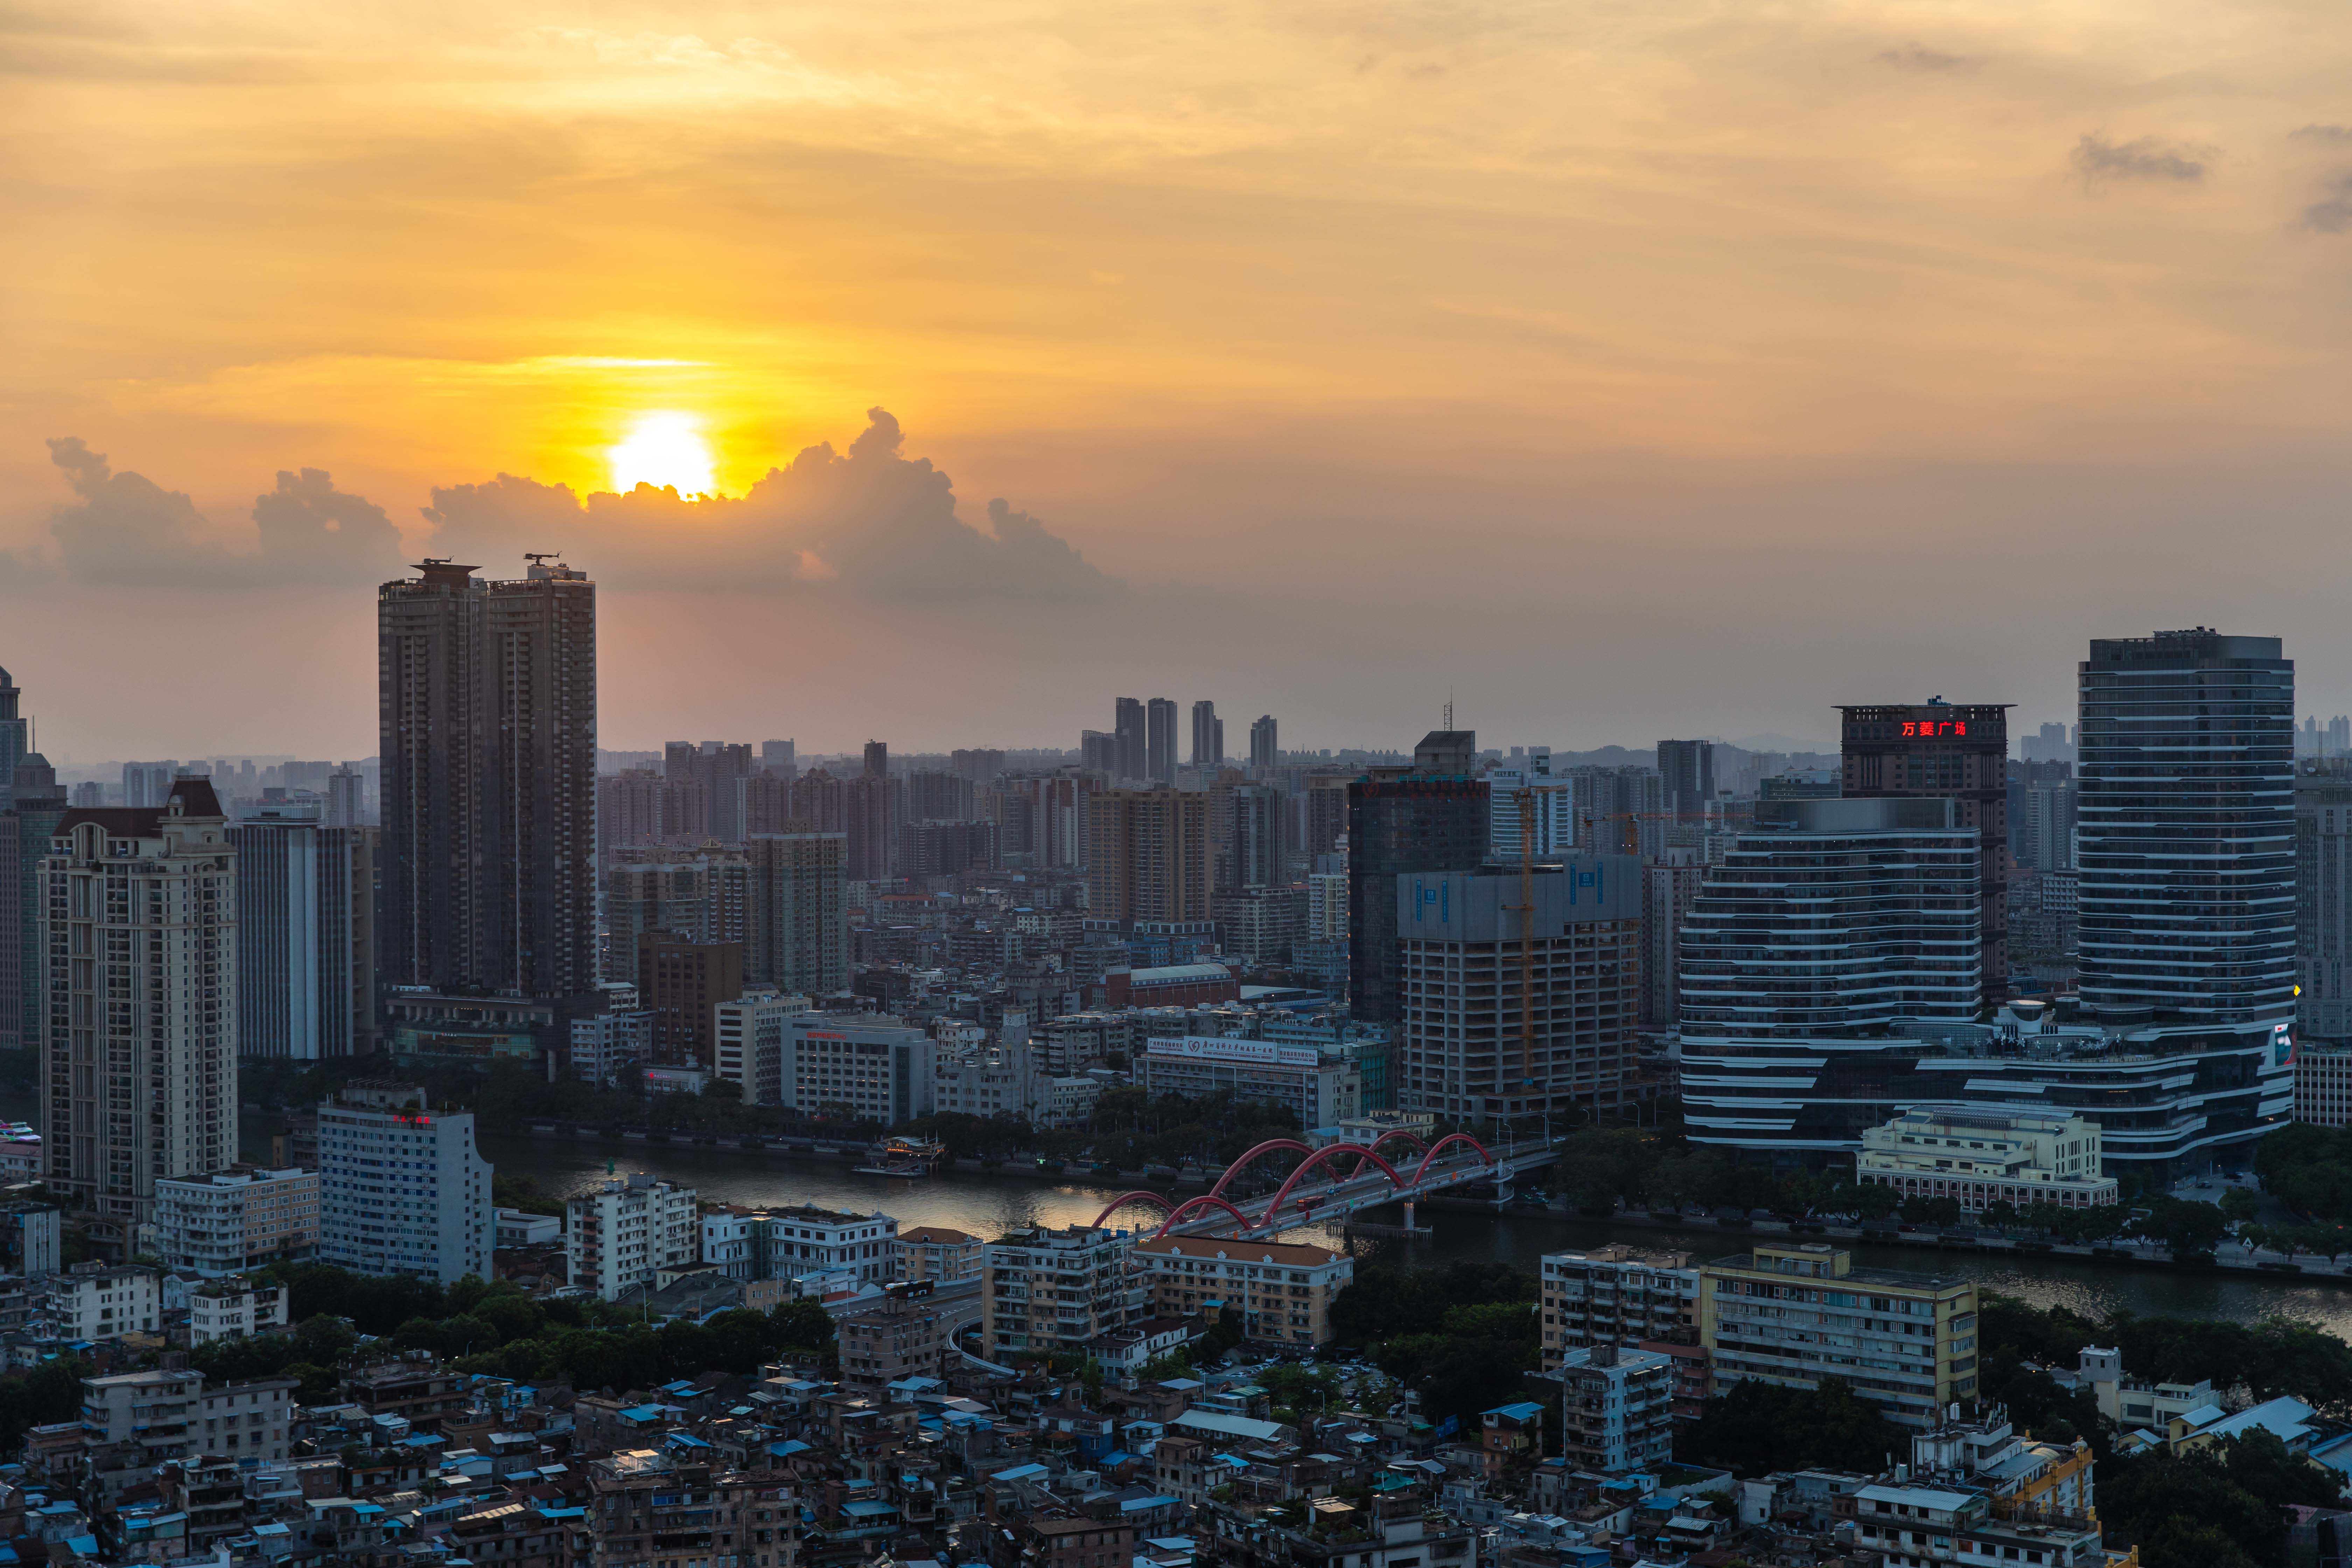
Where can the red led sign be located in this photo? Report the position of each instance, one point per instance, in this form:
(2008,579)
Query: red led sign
(1927,728)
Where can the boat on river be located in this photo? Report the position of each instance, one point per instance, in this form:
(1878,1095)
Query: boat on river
(909,1157)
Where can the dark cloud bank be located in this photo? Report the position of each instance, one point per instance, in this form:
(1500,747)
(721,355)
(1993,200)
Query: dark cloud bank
(868,521)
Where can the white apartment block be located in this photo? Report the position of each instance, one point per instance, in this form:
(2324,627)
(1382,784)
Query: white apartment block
(237,1219)
(1074,1042)
(1327,906)
(826,1241)
(1282,1292)
(248,1420)
(234,1308)
(992,1081)
(609,1046)
(1056,1289)
(402,1189)
(161,1410)
(1618,1407)
(137,912)
(624,1231)
(93,1301)
(749,1039)
(1552,813)
(1985,1156)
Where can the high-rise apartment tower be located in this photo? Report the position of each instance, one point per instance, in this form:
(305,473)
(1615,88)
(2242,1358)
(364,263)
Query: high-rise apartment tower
(486,695)
(138,912)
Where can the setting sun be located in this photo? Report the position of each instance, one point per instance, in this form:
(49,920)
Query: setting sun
(664,449)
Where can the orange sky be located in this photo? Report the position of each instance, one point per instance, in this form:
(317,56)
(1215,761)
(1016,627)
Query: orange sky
(1624,370)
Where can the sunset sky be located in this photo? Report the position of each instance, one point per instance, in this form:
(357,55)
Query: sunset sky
(1621,370)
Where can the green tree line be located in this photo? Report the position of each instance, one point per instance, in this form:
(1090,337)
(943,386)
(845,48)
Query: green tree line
(499,1330)
(1464,1336)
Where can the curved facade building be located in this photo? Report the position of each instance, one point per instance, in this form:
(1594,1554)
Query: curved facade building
(2186,832)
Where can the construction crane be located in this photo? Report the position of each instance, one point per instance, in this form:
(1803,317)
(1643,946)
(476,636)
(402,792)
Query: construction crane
(1525,796)
(1633,841)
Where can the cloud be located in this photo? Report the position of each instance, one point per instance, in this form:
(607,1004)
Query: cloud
(1919,57)
(2331,215)
(312,531)
(2331,133)
(2145,158)
(870,522)
(123,528)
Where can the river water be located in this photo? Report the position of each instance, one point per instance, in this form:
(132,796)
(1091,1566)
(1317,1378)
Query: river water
(988,1205)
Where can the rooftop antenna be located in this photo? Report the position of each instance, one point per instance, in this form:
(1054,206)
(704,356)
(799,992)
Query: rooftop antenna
(438,560)
(541,557)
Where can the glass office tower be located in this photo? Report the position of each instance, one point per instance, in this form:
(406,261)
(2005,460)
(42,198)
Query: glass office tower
(2186,831)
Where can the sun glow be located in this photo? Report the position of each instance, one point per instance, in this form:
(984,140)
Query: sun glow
(663,448)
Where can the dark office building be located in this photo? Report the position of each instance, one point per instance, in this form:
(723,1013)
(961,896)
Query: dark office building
(1686,771)
(2185,831)
(1159,740)
(1430,817)
(680,981)
(877,759)
(1946,750)
(1208,736)
(486,695)
(1131,757)
(38,805)
(939,797)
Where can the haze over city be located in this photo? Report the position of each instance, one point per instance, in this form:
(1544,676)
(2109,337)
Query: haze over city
(1619,374)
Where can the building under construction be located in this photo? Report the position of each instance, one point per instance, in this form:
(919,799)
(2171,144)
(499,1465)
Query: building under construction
(1518,995)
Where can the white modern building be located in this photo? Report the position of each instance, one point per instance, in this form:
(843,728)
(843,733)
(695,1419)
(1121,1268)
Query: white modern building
(811,1240)
(748,1033)
(1318,1089)
(237,1219)
(1989,1155)
(141,1010)
(94,1301)
(402,1189)
(726,1242)
(236,1309)
(624,1231)
(875,1069)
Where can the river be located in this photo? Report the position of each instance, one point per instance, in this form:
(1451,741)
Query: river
(989,1205)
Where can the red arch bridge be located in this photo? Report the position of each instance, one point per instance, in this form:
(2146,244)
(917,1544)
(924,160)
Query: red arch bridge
(1333,1181)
